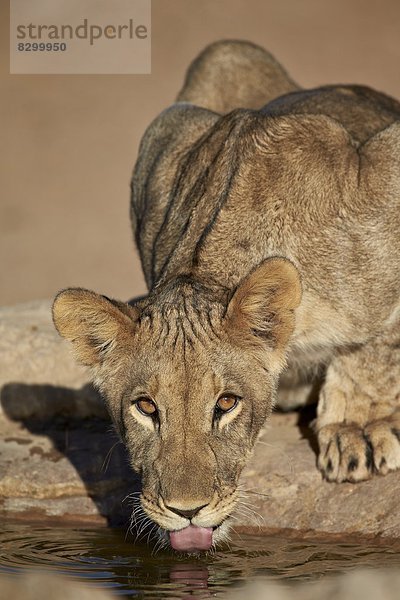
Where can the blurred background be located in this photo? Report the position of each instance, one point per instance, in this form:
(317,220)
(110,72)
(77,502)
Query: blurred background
(69,143)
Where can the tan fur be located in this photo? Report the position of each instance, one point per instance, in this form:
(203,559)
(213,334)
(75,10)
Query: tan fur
(264,304)
(233,205)
(92,323)
(235,74)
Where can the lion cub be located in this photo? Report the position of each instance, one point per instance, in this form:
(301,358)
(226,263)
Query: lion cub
(267,219)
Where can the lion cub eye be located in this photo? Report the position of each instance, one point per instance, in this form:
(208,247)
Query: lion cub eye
(226,403)
(146,406)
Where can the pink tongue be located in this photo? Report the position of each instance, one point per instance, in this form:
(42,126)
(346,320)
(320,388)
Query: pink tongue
(191,538)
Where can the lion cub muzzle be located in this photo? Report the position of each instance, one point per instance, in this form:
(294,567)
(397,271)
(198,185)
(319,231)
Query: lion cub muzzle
(190,530)
(185,496)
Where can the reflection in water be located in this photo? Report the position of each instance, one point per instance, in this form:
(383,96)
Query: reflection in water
(103,557)
(193,578)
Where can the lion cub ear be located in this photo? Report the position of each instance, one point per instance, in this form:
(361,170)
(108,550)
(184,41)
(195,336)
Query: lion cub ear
(93,323)
(264,302)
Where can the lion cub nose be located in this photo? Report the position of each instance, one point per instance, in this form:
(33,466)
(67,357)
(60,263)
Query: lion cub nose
(188,514)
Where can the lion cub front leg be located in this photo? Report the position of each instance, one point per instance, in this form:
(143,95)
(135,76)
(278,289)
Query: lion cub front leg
(358,422)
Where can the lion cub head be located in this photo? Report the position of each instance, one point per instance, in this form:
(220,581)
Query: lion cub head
(189,375)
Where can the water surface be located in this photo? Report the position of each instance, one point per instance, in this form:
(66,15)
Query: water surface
(108,560)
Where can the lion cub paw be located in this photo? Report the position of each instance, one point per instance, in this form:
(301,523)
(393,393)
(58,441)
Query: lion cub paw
(352,453)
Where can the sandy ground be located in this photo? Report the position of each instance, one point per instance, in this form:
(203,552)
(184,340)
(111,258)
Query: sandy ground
(68,143)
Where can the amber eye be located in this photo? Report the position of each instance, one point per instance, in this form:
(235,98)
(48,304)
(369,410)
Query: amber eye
(227,403)
(146,406)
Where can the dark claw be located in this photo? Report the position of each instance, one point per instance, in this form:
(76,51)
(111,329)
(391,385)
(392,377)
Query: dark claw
(396,433)
(369,453)
(353,464)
